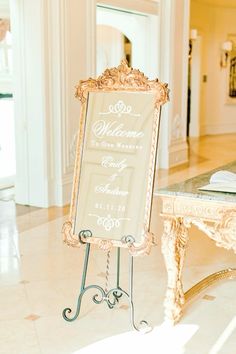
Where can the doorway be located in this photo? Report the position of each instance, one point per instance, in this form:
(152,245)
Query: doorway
(194,88)
(125,34)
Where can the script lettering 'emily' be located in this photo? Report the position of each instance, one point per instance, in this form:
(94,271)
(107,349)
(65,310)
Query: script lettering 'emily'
(115,129)
(109,162)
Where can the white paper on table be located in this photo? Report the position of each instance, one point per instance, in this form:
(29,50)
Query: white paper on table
(221,181)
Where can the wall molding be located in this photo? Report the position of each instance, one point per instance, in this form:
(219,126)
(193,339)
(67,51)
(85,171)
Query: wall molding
(178,154)
(148,6)
(174,22)
(61,190)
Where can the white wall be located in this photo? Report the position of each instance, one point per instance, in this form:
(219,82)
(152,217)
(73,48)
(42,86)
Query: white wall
(214,24)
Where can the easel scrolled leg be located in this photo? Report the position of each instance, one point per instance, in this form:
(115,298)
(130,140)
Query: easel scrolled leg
(111,297)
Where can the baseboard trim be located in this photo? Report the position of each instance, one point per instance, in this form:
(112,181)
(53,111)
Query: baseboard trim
(215,129)
(178,154)
(60,191)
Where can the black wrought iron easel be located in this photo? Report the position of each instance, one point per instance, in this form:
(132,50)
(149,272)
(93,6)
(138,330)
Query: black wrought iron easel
(112,296)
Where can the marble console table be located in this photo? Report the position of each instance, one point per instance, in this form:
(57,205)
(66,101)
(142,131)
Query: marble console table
(214,213)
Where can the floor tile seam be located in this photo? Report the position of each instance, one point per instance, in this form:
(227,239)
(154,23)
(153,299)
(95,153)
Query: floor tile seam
(37,336)
(37,225)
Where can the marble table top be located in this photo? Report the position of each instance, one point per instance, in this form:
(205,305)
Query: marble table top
(189,188)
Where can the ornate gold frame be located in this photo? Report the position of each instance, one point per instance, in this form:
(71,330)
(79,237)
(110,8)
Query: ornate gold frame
(122,78)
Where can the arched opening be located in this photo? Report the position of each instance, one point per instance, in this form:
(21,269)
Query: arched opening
(125,34)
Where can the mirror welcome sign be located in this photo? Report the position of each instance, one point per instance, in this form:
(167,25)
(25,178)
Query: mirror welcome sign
(115,160)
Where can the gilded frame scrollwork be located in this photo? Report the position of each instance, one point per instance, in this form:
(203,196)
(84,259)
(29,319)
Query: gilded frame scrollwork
(126,79)
(216,219)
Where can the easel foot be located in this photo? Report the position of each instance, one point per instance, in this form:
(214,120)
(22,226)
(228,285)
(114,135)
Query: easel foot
(111,297)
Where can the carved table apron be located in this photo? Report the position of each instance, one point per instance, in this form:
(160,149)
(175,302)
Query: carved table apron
(214,213)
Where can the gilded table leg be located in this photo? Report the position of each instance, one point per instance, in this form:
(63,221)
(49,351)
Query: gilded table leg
(174,241)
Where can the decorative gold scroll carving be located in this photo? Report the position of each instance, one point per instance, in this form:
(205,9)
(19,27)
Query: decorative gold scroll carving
(174,243)
(206,210)
(222,232)
(123,78)
(217,220)
(68,234)
(144,248)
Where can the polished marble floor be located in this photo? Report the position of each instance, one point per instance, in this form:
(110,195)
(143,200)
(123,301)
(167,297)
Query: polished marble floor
(40,276)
